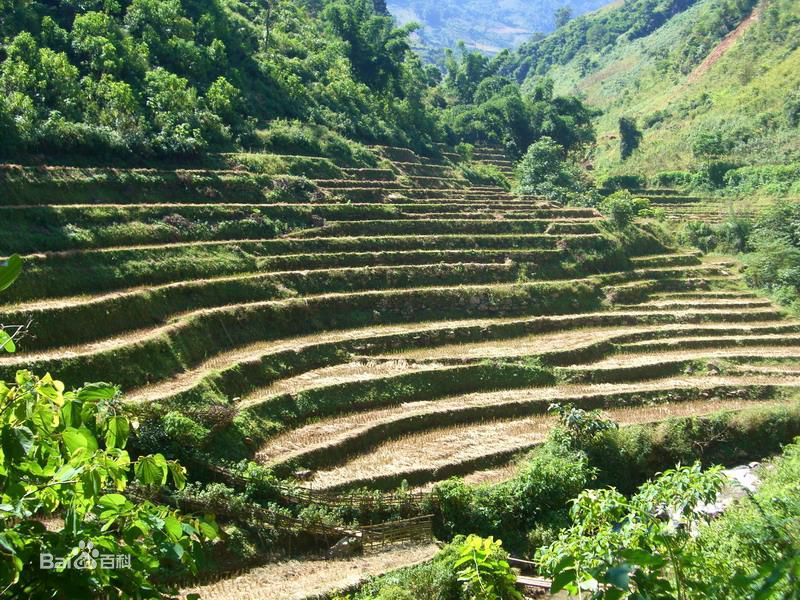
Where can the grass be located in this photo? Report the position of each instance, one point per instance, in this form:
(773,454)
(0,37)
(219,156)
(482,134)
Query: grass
(742,96)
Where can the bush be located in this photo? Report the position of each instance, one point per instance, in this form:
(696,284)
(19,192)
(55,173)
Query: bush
(776,180)
(622,182)
(184,431)
(629,137)
(732,236)
(621,208)
(483,174)
(715,171)
(755,543)
(546,481)
(434,580)
(296,137)
(673,179)
(699,234)
(484,571)
(545,171)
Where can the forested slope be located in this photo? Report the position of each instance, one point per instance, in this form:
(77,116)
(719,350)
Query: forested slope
(185,78)
(180,76)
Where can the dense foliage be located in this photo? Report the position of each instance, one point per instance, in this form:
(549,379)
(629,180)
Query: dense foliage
(754,549)
(469,568)
(658,544)
(483,106)
(547,171)
(180,76)
(770,248)
(64,479)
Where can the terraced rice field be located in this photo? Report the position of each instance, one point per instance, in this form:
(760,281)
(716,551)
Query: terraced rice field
(681,207)
(394,323)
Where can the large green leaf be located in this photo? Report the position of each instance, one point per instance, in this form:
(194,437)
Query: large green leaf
(17,442)
(151,470)
(10,269)
(561,580)
(619,577)
(7,342)
(178,473)
(92,392)
(117,432)
(173,527)
(73,440)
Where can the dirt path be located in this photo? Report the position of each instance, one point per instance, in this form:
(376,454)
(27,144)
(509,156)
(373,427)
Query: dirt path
(296,580)
(726,44)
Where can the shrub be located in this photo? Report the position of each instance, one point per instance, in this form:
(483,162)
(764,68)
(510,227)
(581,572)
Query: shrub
(699,234)
(673,178)
(791,109)
(434,580)
(546,481)
(64,456)
(296,137)
(622,182)
(483,174)
(545,171)
(484,571)
(715,171)
(627,545)
(580,426)
(621,208)
(777,180)
(629,137)
(184,431)
(709,144)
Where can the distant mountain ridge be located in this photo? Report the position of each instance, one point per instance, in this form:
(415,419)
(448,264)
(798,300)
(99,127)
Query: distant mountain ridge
(489,26)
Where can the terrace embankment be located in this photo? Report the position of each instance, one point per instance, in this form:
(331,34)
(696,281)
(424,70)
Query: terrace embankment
(373,324)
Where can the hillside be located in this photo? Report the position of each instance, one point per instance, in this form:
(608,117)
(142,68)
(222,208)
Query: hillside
(287,313)
(482,25)
(377,326)
(700,86)
(180,78)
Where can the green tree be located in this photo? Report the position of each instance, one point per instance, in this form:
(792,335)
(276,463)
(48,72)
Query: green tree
(546,171)
(618,547)
(63,459)
(484,571)
(580,426)
(562,16)
(629,137)
(376,48)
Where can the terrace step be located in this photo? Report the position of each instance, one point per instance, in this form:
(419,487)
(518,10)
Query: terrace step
(447,226)
(251,321)
(400,338)
(439,454)
(76,272)
(413,168)
(370,174)
(327,442)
